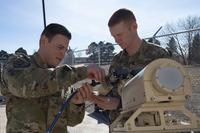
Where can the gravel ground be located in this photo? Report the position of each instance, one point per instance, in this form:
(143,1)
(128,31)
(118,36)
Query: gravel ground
(2,119)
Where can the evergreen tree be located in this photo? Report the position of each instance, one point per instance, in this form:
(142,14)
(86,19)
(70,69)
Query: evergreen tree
(102,49)
(172,46)
(21,50)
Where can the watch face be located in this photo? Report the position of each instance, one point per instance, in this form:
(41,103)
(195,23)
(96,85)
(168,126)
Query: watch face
(89,107)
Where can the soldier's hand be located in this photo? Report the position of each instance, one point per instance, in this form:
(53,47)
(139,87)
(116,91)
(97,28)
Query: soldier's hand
(95,72)
(105,102)
(84,94)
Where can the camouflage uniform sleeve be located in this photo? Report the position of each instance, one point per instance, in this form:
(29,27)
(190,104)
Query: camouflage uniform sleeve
(24,79)
(159,52)
(114,64)
(114,92)
(75,114)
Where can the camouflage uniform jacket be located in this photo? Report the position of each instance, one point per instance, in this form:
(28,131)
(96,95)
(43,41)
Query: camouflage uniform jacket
(147,53)
(34,95)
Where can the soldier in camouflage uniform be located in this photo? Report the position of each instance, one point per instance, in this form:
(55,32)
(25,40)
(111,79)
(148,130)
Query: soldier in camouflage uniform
(33,86)
(136,54)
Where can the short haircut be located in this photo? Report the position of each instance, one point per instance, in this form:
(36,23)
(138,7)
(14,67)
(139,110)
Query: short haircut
(54,29)
(121,15)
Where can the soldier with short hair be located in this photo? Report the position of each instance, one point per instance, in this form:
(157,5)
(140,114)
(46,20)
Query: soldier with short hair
(136,54)
(33,85)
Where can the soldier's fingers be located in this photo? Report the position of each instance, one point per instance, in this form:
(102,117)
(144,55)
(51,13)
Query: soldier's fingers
(99,75)
(102,105)
(95,74)
(93,71)
(79,96)
(82,92)
(103,75)
(92,98)
(88,89)
(95,99)
(85,90)
(99,99)
(104,99)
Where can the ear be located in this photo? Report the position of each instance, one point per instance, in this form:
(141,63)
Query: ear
(43,41)
(134,26)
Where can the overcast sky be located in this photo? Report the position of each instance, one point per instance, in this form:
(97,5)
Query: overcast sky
(21,21)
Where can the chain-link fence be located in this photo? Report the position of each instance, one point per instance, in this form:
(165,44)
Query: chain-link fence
(181,46)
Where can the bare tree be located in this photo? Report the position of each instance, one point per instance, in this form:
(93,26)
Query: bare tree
(195,50)
(184,41)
